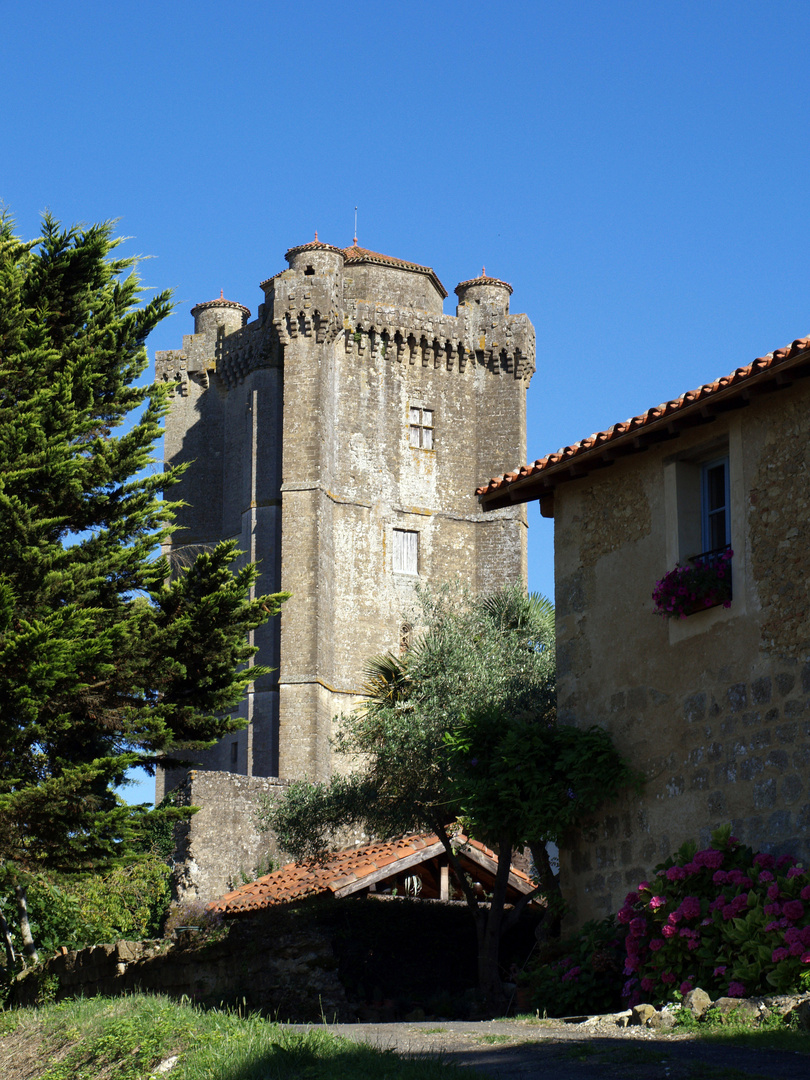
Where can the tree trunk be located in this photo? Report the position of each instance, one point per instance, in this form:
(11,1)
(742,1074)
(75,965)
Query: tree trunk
(9,944)
(549,881)
(489,936)
(29,948)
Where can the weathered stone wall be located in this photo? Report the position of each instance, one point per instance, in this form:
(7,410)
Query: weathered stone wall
(289,973)
(221,842)
(298,424)
(714,708)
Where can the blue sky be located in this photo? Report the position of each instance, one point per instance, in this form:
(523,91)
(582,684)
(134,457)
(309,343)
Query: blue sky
(638,171)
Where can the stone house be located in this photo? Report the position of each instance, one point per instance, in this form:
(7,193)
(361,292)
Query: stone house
(714,706)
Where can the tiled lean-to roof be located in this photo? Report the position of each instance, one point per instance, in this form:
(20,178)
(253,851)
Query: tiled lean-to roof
(355,869)
(766,373)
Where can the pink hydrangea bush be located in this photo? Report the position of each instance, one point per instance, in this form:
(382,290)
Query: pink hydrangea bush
(730,921)
(582,974)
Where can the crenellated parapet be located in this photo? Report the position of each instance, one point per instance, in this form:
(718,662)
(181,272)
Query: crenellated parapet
(503,343)
(317,299)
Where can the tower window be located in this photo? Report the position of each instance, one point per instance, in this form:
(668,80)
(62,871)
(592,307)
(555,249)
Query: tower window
(309,271)
(421,428)
(406,551)
(234,753)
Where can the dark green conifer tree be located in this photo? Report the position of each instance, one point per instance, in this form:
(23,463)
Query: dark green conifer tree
(106,660)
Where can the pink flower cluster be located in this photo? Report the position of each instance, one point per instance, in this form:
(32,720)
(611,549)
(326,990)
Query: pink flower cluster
(721,906)
(686,589)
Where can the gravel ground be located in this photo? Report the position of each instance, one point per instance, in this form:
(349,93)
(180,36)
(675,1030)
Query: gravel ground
(596,1049)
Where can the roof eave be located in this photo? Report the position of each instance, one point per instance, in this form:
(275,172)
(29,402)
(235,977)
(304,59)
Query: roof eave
(641,437)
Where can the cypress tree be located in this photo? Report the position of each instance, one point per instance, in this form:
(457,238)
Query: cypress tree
(106,661)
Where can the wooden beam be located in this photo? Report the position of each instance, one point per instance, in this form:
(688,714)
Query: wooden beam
(391,870)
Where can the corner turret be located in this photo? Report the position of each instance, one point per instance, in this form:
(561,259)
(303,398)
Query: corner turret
(489,292)
(215,313)
(315,258)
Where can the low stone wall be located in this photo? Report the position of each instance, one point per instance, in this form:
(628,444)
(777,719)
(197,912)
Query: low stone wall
(290,974)
(372,959)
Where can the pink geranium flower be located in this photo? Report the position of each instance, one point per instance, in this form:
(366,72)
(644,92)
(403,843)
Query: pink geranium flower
(736,989)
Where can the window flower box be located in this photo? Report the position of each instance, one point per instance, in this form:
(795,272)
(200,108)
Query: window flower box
(705,583)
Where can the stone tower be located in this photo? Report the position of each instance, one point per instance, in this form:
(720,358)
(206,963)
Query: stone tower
(340,437)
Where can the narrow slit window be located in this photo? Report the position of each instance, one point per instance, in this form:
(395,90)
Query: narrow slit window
(715,517)
(406,551)
(421,428)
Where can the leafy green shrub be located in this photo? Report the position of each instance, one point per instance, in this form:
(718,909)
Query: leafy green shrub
(726,919)
(127,902)
(580,975)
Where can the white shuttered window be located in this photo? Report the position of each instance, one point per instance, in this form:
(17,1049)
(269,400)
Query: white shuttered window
(421,427)
(406,551)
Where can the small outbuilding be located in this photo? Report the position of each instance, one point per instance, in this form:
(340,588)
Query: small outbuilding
(415,865)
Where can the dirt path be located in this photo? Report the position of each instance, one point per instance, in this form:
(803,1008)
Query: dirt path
(550,1050)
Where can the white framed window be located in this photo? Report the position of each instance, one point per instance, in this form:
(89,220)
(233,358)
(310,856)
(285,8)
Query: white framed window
(706,516)
(405,551)
(715,505)
(421,427)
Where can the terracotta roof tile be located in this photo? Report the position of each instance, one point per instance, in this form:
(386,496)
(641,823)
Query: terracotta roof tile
(483,280)
(221,302)
(667,411)
(313,245)
(358,255)
(296,881)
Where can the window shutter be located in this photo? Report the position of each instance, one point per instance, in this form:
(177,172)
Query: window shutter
(406,551)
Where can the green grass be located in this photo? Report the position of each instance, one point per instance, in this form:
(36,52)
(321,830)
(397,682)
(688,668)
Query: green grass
(493,1040)
(127,1038)
(773,1032)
